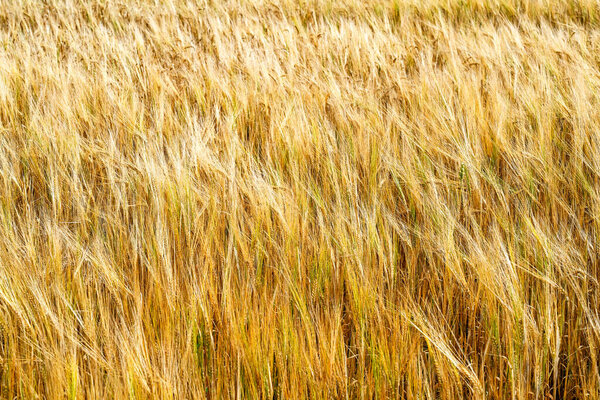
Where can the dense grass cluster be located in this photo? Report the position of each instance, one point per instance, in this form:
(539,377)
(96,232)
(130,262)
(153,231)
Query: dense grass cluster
(315,199)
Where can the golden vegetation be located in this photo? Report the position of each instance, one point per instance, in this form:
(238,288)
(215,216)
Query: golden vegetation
(316,199)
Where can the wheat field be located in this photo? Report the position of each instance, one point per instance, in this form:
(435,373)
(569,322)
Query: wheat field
(306,199)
